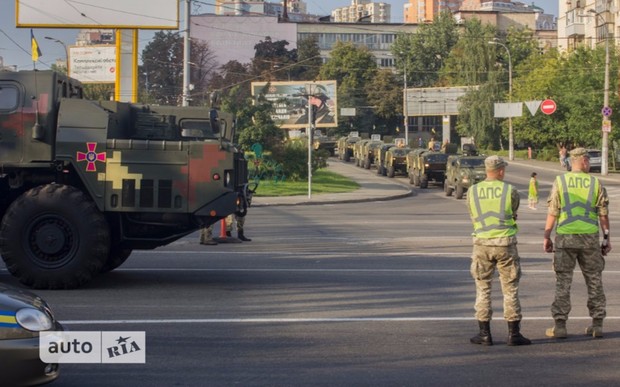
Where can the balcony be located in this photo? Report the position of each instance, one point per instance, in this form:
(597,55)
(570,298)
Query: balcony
(575,25)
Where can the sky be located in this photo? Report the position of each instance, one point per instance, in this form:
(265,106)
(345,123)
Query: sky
(15,42)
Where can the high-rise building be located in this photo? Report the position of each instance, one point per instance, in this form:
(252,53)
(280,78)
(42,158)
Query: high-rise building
(259,7)
(424,11)
(363,11)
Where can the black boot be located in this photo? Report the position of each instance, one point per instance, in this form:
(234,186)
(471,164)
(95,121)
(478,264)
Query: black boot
(484,337)
(242,237)
(514,335)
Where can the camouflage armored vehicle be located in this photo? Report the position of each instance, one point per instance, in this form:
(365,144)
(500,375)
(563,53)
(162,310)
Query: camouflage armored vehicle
(380,158)
(345,147)
(368,152)
(83,183)
(323,142)
(426,166)
(462,172)
(396,160)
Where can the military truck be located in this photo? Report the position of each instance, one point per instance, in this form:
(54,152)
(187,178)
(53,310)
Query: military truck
(396,160)
(83,183)
(462,172)
(424,166)
(323,142)
(345,147)
(380,158)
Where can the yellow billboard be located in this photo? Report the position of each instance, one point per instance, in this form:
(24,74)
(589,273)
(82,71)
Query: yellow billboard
(291,101)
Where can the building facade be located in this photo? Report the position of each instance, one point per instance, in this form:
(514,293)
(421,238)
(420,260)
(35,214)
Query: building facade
(363,10)
(587,23)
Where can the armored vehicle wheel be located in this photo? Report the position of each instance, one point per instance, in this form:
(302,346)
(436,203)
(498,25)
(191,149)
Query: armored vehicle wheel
(423,182)
(390,172)
(459,191)
(116,258)
(411,178)
(54,237)
(347,158)
(384,171)
(367,164)
(416,179)
(379,170)
(446,188)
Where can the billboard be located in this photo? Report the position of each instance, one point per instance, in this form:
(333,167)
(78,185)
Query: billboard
(93,64)
(127,14)
(291,100)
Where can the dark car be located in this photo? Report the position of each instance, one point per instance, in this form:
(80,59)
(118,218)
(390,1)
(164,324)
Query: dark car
(22,316)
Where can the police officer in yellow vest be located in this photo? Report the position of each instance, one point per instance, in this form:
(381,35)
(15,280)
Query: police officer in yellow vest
(579,204)
(493,206)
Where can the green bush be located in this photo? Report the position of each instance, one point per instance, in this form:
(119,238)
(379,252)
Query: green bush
(294,160)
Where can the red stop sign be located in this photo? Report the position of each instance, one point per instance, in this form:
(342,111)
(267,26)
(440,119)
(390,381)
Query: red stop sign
(548,106)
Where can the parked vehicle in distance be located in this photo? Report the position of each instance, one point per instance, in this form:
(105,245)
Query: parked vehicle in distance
(22,316)
(396,160)
(426,166)
(380,158)
(595,160)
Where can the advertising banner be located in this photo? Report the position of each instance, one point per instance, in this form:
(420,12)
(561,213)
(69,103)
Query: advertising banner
(291,100)
(93,64)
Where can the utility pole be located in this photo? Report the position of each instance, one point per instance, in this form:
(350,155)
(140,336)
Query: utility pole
(186,53)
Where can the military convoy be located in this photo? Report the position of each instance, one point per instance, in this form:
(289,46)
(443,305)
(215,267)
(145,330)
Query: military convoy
(83,183)
(368,152)
(462,172)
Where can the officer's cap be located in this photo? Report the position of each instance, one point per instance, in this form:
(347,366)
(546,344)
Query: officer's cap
(579,152)
(493,163)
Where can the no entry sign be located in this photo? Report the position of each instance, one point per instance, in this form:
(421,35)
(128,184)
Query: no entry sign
(548,106)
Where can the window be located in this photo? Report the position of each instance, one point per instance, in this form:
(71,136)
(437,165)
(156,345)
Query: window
(9,97)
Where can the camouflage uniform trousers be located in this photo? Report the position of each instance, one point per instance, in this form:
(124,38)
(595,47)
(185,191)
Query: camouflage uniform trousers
(591,263)
(484,261)
(206,233)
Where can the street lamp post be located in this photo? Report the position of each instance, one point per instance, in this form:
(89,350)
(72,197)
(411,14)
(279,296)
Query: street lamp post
(406,102)
(511,140)
(605,139)
(65,47)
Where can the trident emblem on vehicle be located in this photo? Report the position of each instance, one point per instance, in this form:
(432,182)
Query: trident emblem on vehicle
(91,156)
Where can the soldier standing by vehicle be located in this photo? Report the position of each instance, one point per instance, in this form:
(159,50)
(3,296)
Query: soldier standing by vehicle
(206,233)
(579,204)
(493,207)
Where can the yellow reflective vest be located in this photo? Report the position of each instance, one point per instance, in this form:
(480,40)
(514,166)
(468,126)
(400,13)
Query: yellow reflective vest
(578,195)
(490,204)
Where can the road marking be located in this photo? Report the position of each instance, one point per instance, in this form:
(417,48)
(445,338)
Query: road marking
(258,320)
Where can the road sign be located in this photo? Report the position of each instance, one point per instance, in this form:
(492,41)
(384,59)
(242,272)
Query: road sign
(548,106)
(606,126)
(606,111)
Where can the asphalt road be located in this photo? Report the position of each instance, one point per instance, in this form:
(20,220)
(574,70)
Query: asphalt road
(359,294)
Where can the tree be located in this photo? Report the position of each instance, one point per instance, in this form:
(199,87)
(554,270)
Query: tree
(385,93)
(352,68)
(424,52)
(471,63)
(162,61)
(272,59)
(232,82)
(309,60)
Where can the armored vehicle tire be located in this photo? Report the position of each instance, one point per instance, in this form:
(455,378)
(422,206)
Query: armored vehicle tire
(116,258)
(347,158)
(446,188)
(416,179)
(379,170)
(54,237)
(458,193)
(411,178)
(390,171)
(423,182)
(367,164)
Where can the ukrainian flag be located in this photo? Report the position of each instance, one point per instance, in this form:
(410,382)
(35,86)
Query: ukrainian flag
(36,51)
(7,319)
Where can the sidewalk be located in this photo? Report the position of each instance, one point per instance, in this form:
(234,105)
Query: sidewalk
(375,187)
